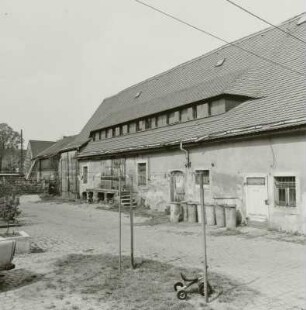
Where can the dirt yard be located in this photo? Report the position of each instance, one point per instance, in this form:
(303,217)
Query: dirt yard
(73,264)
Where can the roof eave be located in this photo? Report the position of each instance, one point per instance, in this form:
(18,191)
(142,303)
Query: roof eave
(260,130)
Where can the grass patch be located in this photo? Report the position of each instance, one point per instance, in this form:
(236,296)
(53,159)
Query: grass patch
(16,278)
(95,278)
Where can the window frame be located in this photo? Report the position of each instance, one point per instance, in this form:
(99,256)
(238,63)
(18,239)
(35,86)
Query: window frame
(287,203)
(209,177)
(85,179)
(146,178)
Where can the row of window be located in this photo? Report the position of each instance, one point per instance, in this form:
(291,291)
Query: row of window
(185,114)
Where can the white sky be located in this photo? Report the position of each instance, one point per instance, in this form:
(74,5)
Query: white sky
(60,58)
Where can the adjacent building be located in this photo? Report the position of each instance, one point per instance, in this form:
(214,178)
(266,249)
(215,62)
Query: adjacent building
(34,148)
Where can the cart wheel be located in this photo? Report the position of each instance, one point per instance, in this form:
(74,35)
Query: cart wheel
(178,285)
(182,295)
(201,288)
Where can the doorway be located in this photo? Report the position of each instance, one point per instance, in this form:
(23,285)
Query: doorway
(256,192)
(177,186)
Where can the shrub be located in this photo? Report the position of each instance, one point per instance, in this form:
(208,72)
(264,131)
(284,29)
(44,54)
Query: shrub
(9,211)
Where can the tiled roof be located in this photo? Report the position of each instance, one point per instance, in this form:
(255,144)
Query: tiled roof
(280,94)
(56,148)
(38,146)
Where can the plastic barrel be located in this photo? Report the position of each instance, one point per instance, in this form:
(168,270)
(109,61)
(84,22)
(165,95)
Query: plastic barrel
(192,213)
(185,211)
(210,215)
(199,213)
(220,216)
(231,216)
(175,212)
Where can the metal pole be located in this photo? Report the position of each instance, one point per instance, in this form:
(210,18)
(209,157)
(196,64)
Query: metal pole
(132,224)
(204,236)
(21,153)
(119,220)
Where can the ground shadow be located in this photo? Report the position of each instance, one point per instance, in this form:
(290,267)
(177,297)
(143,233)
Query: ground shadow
(149,286)
(16,278)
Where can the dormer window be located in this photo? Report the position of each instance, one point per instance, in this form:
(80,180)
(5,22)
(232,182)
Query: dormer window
(148,123)
(194,112)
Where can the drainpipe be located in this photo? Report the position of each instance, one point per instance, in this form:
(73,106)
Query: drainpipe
(188,163)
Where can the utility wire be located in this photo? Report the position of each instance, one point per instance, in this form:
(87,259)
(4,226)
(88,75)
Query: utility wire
(218,38)
(265,21)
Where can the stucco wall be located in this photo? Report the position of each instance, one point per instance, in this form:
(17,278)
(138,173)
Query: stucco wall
(229,164)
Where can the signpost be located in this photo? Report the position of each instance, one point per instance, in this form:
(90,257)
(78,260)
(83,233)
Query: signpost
(120,234)
(132,224)
(204,236)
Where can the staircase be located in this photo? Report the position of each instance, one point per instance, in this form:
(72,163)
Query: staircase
(126,199)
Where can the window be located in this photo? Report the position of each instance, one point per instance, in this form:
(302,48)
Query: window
(154,121)
(109,132)
(85,175)
(100,135)
(94,137)
(205,176)
(142,173)
(148,123)
(194,112)
(285,191)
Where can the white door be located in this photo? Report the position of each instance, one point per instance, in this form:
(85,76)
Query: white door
(256,197)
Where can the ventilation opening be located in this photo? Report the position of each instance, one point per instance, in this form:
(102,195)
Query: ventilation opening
(138,94)
(220,62)
(301,20)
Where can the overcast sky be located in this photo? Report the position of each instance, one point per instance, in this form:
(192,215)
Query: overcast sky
(60,58)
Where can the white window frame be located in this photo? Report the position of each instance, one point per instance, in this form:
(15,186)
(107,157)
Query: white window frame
(206,186)
(147,171)
(297,190)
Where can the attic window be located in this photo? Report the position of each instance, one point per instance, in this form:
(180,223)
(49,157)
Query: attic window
(301,20)
(138,94)
(220,62)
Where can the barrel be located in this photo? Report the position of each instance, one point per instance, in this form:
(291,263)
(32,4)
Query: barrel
(220,216)
(175,212)
(199,213)
(185,211)
(230,216)
(192,212)
(210,215)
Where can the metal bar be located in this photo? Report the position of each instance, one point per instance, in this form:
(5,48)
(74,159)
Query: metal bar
(132,224)
(204,236)
(21,152)
(120,221)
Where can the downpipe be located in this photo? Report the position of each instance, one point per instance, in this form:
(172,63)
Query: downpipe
(188,163)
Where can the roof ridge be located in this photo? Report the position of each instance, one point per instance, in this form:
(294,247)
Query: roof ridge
(206,55)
